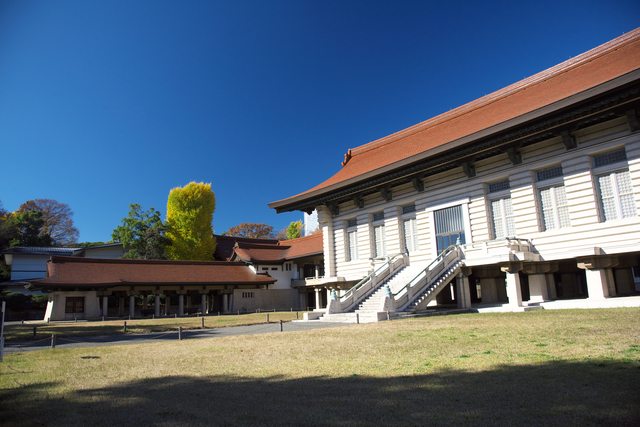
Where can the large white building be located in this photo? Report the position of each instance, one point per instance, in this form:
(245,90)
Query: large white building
(536,186)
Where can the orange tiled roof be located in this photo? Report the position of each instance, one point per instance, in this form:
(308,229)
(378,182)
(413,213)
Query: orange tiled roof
(597,66)
(285,250)
(101,271)
(225,245)
(304,246)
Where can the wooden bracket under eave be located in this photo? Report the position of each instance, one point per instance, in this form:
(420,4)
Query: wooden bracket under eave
(568,139)
(632,118)
(386,193)
(418,184)
(468,169)
(357,200)
(515,156)
(333,208)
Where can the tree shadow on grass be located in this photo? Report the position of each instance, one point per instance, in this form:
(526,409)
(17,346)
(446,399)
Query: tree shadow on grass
(552,393)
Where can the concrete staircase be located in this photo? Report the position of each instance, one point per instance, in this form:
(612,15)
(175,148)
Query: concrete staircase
(420,302)
(368,309)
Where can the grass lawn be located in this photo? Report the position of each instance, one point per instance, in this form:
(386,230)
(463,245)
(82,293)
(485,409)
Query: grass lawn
(546,367)
(44,330)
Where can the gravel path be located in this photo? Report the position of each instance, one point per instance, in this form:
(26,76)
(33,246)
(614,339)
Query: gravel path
(20,346)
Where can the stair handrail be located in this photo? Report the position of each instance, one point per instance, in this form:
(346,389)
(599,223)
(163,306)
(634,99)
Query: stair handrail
(435,261)
(372,274)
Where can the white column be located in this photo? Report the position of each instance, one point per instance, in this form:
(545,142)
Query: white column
(157,305)
(317,297)
(132,306)
(105,307)
(599,272)
(181,305)
(598,283)
(317,270)
(231,302)
(513,289)
(325,219)
(203,303)
(464,296)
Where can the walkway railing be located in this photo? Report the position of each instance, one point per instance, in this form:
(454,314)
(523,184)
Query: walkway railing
(427,277)
(361,289)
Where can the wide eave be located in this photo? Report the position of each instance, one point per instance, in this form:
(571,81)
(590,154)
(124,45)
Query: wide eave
(590,88)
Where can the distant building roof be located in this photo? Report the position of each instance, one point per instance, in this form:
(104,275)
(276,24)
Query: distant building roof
(285,250)
(225,245)
(42,250)
(105,272)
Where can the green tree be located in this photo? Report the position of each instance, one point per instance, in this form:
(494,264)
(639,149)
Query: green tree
(58,220)
(251,230)
(25,227)
(143,234)
(294,230)
(189,218)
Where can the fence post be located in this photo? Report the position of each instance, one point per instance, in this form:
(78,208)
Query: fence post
(53,341)
(267,317)
(387,315)
(280,325)
(180,333)
(202,322)
(124,329)
(34,331)
(358,318)
(296,315)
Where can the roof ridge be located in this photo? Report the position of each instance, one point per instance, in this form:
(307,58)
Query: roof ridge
(572,63)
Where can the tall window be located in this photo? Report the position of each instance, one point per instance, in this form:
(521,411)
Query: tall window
(616,195)
(352,239)
(555,211)
(379,243)
(615,191)
(553,199)
(502,217)
(449,227)
(74,305)
(410,229)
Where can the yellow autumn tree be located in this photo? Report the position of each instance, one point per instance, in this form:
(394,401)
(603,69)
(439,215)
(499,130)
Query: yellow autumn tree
(189,216)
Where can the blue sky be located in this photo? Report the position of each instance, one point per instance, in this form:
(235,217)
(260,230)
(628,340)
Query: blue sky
(103,104)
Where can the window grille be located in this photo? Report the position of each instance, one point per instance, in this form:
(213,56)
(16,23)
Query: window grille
(410,228)
(449,219)
(352,237)
(616,195)
(248,295)
(609,158)
(380,246)
(378,216)
(494,187)
(555,211)
(74,305)
(548,173)
(352,222)
(503,218)
(449,225)
(408,208)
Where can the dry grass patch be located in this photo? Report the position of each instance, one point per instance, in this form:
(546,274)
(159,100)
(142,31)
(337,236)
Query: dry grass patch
(565,367)
(138,326)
